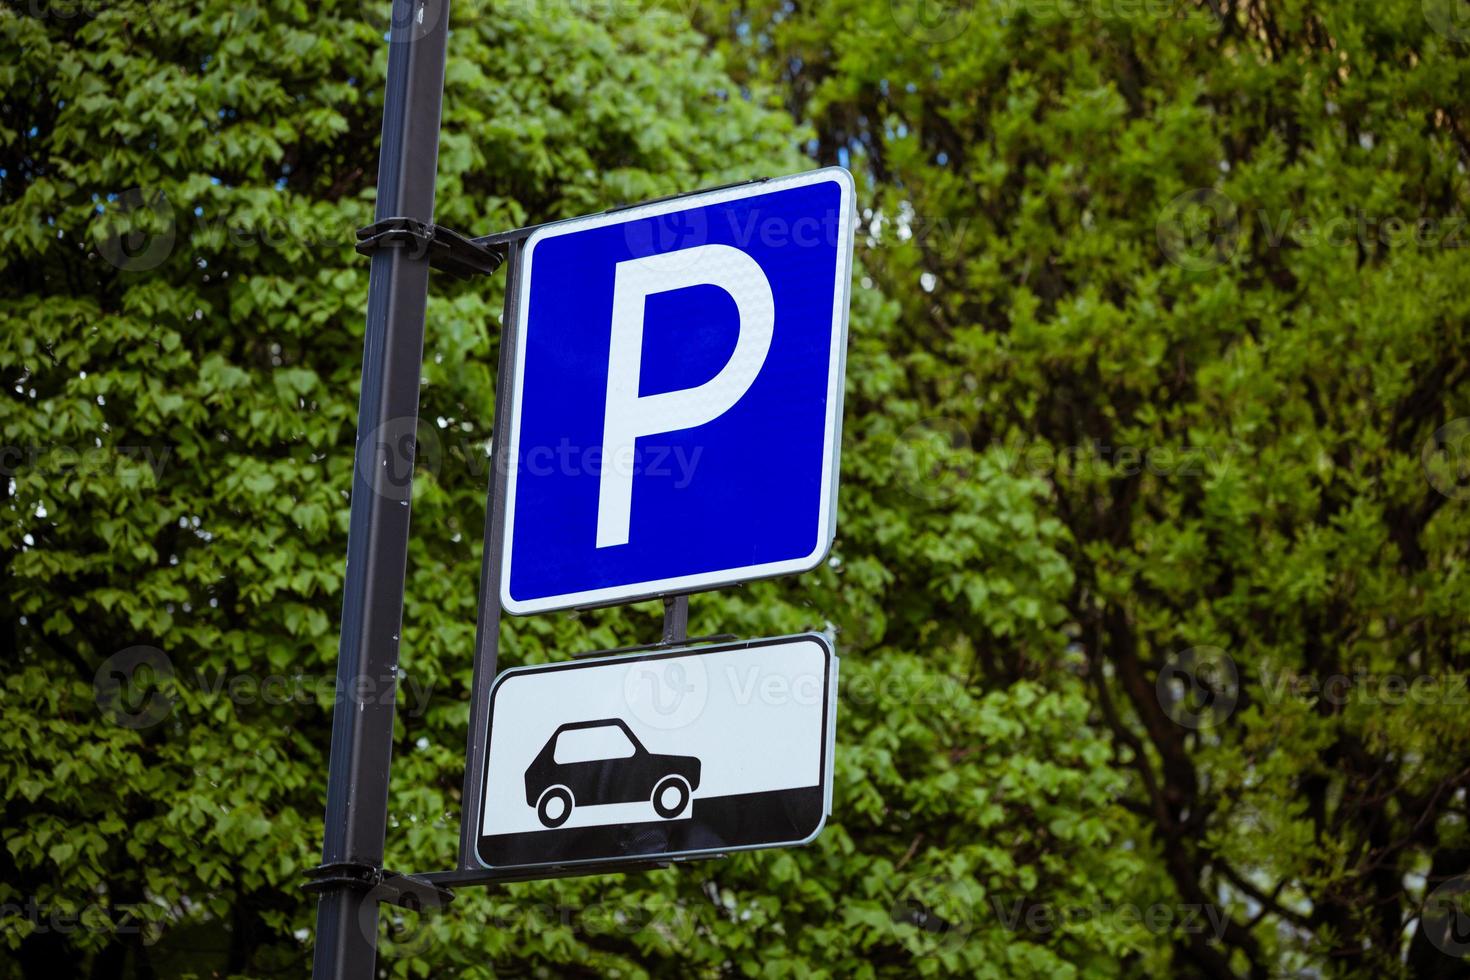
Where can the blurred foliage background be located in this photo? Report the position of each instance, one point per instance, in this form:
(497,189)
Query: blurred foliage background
(1150,576)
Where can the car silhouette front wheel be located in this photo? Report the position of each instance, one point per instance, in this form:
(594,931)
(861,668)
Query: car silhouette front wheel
(555,806)
(670,796)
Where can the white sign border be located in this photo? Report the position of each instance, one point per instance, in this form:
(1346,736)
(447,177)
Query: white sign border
(836,370)
(827,767)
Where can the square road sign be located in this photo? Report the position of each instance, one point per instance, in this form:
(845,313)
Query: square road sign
(676,395)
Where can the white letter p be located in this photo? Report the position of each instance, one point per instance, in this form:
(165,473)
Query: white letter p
(629,416)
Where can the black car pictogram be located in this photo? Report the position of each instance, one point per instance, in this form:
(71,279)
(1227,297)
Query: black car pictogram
(603,762)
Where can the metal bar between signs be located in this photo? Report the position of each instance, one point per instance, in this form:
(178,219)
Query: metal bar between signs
(676,619)
(377,541)
(487,630)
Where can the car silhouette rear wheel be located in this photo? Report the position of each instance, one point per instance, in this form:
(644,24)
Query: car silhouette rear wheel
(670,796)
(555,806)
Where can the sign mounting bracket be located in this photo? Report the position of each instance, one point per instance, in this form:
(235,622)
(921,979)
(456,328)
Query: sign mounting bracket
(676,620)
(448,250)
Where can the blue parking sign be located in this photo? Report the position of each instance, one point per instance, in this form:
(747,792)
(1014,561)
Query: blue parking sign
(676,399)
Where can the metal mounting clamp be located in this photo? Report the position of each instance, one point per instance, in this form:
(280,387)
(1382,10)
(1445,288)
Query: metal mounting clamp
(409,891)
(448,250)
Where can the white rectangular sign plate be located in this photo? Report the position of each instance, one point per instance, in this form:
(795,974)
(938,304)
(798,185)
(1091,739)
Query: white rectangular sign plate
(656,755)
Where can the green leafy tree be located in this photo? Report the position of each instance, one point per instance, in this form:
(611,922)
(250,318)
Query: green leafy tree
(1146,440)
(1197,267)
(183,312)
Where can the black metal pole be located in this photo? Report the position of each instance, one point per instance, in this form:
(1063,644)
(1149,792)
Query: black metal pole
(377,540)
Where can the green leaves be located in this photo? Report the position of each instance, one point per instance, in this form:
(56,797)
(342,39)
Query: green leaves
(1161,305)
(1157,344)
(179,194)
